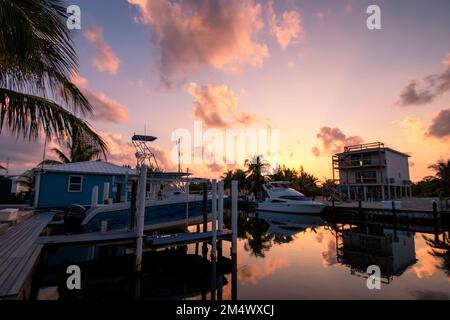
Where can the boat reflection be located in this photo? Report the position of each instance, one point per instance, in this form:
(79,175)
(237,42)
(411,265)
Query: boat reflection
(168,274)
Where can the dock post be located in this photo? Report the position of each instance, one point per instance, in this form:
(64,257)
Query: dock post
(105,192)
(133,205)
(220,204)
(126,187)
(234,215)
(220,217)
(94,197)
(394,211)
(205,207)
(214,220)
(141,217)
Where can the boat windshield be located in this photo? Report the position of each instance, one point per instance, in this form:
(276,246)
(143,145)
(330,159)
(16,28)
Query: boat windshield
(295,198)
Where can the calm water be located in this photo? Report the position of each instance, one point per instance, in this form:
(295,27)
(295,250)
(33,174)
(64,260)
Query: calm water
(279,257)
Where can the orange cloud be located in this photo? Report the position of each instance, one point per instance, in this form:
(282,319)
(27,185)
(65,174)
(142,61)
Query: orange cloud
(105,109)
(216,106)
(191,34)
(106,59)
(288,29)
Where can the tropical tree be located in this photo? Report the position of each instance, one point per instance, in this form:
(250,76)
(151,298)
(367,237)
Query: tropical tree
(79,151)
(227,177)
(37,58)
(442,177)
(307,183)
(255,168)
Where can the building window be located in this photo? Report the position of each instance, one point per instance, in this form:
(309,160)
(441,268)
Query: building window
(366,177)
(75,183)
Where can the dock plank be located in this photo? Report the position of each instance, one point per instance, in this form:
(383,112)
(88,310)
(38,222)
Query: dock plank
(19,253)
(94,237)
(184,238)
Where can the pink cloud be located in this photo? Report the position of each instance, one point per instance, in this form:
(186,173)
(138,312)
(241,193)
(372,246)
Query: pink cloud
(286,30)
(216,106)
(105,109)
(191,34)
(333,141)
(106,59)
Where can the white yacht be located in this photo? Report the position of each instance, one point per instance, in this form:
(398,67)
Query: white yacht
(283,199)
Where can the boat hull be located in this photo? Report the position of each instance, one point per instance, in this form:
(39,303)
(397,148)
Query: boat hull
(306,208)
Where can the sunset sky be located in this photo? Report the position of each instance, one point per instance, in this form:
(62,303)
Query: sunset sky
(311,69)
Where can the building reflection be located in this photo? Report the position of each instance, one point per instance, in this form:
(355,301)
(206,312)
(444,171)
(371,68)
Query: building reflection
(360,246)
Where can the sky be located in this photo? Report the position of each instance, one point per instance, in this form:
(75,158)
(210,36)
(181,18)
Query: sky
(309,73)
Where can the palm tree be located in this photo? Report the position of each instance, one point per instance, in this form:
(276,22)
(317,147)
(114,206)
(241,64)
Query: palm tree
(227,177)
(37,57)
(307,183)
(255,168)
(442,178)
(79,151)
(240,176)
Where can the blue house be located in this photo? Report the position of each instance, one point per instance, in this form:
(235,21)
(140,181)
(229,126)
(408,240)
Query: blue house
(58,186)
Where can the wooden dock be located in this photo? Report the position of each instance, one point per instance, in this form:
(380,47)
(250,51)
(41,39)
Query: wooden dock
(19,254)
(123,237)
(110,237)
(184,238)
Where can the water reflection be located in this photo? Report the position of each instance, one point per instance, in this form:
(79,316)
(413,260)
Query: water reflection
(358,247)
(168,274)
(280,256)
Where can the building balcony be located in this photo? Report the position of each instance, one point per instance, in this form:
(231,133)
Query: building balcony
(359,164)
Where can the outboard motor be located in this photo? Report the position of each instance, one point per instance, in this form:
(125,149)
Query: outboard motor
(73,216)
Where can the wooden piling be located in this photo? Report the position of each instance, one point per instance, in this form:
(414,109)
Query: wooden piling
(133,207)
(141,217)
(214,220)
(220,204)
(94,197)
(205,207)
(234,215)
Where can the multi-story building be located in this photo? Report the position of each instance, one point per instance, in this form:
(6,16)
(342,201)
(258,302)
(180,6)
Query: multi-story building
(372,172)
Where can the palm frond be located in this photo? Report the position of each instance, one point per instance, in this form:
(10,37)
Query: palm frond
(62,157)
(49,162)
(30,116)
(38,54)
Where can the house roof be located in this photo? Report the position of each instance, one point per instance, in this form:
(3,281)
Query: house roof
(92,167)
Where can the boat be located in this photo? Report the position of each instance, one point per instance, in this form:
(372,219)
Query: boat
(283,199)
(167,201)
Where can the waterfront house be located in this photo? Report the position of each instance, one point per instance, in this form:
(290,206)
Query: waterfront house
(372,171)
(58,186)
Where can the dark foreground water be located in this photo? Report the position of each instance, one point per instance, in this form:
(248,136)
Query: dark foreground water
(279,257)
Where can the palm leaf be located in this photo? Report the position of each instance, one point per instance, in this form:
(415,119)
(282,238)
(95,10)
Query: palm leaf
(49,162)
(29,116)
(62,157)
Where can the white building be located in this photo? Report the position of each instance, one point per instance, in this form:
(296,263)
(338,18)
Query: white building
(372,172)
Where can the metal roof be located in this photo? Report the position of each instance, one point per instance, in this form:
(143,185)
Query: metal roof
(92,167)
